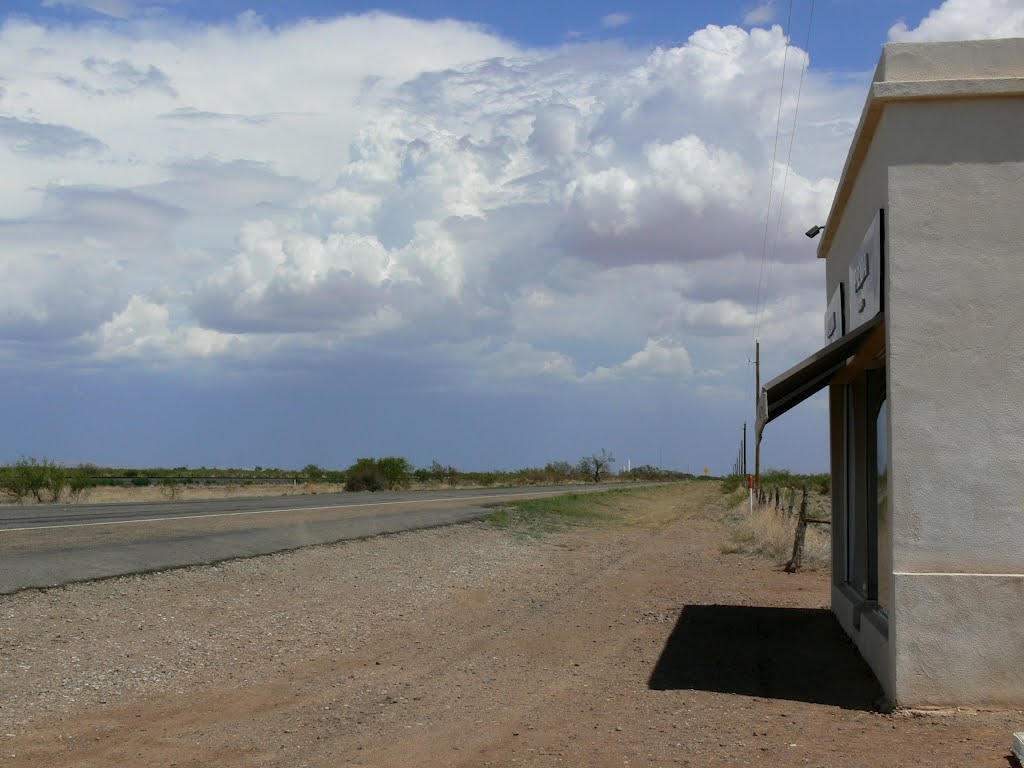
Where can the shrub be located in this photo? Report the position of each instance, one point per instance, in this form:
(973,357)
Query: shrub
(141,481)
(42,480)
(364,475)
(560,470)
(170,488)
(383,474)
(486,478)
(440,473)
(396,472)
(23,478)
(80,480)
(313,473)
(55,482)
(732,483)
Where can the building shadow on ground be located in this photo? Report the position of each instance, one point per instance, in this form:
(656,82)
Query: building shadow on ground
(799,654)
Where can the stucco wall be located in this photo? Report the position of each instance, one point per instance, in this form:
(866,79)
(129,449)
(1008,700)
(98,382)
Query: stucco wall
(956,335)
(870,192)
(956,394)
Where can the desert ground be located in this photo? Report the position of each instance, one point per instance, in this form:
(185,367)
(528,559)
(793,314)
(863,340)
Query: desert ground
(643,637)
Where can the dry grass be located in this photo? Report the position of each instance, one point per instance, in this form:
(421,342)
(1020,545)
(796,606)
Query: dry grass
(652,508)
(770,534)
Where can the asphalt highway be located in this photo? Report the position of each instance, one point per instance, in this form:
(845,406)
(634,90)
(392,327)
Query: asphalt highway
(51,545)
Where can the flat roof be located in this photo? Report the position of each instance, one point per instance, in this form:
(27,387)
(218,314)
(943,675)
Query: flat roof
(962,69)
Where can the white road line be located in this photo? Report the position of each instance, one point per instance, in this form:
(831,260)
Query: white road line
(285,509)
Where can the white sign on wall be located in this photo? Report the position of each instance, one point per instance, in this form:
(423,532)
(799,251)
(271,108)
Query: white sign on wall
(865,286)
(834,320)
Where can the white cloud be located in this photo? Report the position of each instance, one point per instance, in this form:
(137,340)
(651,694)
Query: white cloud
(965,20)
(761,14)
(143,329)
(615,20)
(659,359)
(210,193)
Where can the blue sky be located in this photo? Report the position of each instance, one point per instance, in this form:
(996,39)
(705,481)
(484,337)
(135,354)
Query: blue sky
(490,234)
(849,32)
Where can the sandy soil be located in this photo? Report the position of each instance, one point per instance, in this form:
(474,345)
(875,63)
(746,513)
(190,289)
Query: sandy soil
(633,644)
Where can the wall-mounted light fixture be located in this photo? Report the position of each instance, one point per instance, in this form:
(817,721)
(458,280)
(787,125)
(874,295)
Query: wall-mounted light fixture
(814,231)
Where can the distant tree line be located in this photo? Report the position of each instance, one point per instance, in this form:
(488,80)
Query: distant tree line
(48,481)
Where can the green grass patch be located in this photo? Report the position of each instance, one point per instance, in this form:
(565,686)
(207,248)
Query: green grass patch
(538,516)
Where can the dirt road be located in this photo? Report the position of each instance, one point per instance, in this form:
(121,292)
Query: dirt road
(631,644)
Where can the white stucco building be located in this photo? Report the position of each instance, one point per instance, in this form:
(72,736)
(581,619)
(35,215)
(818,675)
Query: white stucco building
(924,257)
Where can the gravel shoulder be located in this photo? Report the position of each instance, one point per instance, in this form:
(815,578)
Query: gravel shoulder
(633,641)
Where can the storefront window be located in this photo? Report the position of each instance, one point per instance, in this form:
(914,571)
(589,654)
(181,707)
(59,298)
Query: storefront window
(884,536)
(868,527)
(859,534)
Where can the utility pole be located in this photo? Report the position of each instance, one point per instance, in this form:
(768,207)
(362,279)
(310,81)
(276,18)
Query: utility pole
(757,401)
(744,462)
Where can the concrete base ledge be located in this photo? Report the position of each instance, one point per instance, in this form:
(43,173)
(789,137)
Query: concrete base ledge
(853,615)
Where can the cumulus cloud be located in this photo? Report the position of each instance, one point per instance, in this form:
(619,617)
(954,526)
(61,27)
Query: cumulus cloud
(592,213)
(660,358)
(965,20)
(143,329)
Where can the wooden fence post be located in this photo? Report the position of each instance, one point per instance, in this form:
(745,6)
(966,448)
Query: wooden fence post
(792,501)
(777,499)
(798,540)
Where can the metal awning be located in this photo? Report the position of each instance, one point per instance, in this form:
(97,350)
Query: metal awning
(809,376)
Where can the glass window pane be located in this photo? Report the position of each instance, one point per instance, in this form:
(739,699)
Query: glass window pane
(884,540)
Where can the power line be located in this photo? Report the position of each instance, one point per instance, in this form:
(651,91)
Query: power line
(771,178)
(789,156)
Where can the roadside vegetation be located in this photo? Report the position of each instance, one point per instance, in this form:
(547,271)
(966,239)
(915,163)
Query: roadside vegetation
(539,516)
(769,530)
(45,481)
(779,478)
(650,507)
